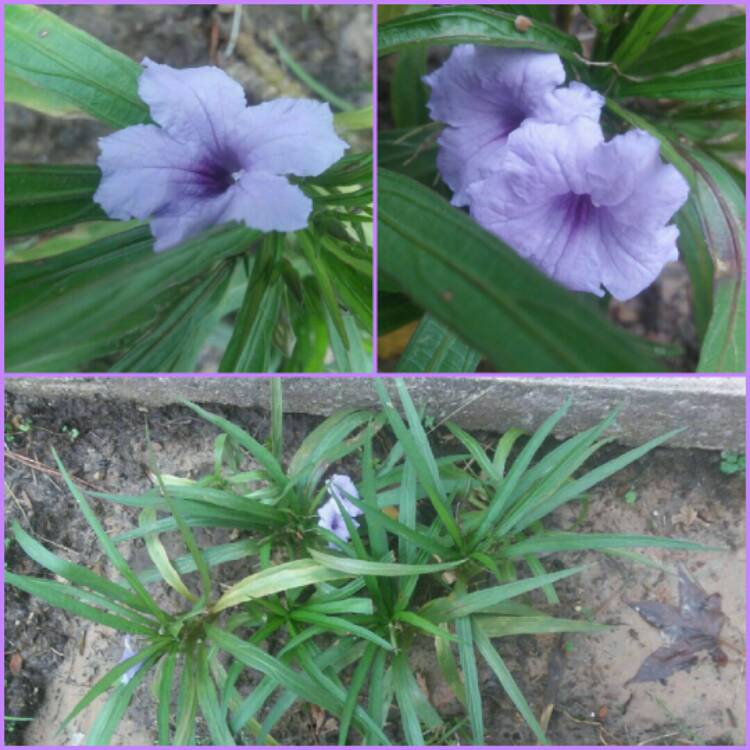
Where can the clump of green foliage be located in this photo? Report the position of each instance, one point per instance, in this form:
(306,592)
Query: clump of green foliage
(446,547)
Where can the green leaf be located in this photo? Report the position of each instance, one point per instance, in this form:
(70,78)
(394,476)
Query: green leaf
(408,714)
(518,470)
(40,197)
(63,311)
(323,445)
(463,605)
(187,703)
(649,22)
(686,47)
(249,349)
(164,695)
(696,256)
(109,716)
(478,453)
(259,452)
(108,546)
(411,618)
(68,65)
(450,25)
(221,553)
(277,578)
(497,302)
(161,560)
(355,686)
(408,93)
(721,208)
(300,684)
(341,626)
(419,454)
(113,676)
(354,119)
(433,348)
(504,447)
(366,567)
(411,152)
(562,541)
(498,626)
(471,679)
(68,598)
(175,340)
(715,82)
(74,573)
(25,93)
(314,85)
(571,490)
(497,665)
(209,702)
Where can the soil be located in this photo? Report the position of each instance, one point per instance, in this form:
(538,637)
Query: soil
(332,43)
(53,658)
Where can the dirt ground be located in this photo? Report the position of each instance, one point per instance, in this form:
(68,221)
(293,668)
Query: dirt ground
(53,658)
(332,43)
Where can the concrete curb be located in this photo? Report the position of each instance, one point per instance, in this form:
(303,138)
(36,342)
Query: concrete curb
(711,409)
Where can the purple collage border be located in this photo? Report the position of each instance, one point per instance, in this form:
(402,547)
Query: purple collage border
(374,4)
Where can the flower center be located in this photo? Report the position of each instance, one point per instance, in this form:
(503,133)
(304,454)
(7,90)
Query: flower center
(579,210)
(218,174)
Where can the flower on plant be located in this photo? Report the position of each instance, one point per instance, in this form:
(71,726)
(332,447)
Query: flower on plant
(340,488)
(483,94)
(589,213)
(211,159)
(530,161)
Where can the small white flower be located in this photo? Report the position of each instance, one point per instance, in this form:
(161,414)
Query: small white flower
(127,653)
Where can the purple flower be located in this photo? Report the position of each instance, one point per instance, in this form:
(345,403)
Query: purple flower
(128,653)
(484,93)
(214,159)
(342,488)
(589,214)
(330,517)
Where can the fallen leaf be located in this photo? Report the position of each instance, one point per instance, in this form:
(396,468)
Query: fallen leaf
(692,627)
(15,663)
(687,516)
(318,716)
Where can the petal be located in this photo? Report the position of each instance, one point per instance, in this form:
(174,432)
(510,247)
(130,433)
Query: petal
(464,157)
(542,160)
(563,105)
(327,513)
(288,136)
(187,217)
(198,105)
(558,233)
(632,257)
(342,488)
(497,87)
(144,170)
(628,176)
(267,202)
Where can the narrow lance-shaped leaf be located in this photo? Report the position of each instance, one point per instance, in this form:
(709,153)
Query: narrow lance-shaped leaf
(472,25)
(41,197)
(676,50)
(57,58)
(718,81)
